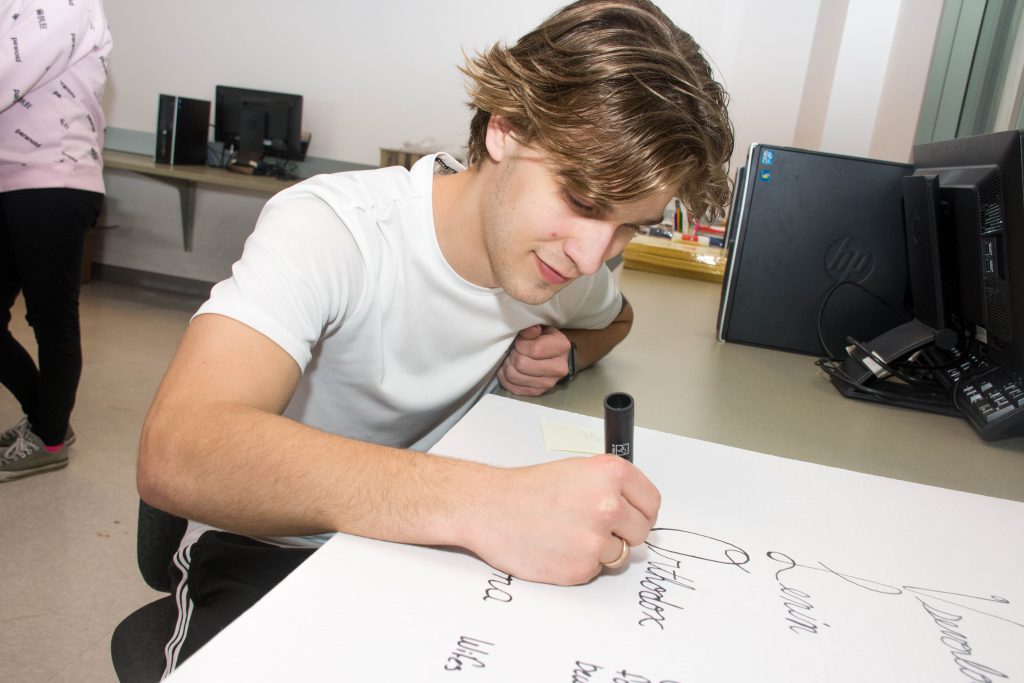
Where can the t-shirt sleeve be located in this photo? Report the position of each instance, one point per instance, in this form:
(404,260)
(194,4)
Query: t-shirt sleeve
(594,301)
(301,272)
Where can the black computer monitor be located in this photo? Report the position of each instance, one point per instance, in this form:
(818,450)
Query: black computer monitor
(925,227)
(258,122)
(981,235)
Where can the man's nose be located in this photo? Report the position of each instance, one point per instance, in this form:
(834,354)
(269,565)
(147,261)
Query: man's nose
(589,247)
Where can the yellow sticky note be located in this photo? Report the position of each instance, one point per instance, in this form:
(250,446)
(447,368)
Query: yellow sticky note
(572,438)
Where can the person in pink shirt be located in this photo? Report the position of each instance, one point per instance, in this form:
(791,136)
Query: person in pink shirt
(53,68)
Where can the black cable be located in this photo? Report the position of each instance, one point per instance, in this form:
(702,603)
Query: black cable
(915,389)
(956,390)
(828,297)
(821,314)
(829,367)
(892,369)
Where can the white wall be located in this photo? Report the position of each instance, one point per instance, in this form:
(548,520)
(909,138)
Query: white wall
(380,74)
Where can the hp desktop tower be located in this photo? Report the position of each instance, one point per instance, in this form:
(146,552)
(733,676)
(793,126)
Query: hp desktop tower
(182,130)
(816,251)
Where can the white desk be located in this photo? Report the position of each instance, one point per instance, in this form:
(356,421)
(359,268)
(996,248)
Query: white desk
(760,569)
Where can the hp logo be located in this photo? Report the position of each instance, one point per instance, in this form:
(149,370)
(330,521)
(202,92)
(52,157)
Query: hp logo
(849,260)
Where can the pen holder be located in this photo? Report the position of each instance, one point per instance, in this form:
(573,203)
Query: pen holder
(618,425)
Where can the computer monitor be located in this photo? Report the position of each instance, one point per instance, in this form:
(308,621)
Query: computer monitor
(258,122)
(930,279)
(923,213)
(981,236)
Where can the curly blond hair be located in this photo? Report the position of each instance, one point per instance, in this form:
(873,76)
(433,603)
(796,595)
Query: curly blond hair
(620,100)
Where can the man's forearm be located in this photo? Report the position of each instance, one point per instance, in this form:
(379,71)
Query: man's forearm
(259,474)
(593,345)
(252,472)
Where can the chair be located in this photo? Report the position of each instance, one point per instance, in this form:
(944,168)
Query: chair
(137,646)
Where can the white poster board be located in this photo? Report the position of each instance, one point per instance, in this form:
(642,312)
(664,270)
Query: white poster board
(761,569)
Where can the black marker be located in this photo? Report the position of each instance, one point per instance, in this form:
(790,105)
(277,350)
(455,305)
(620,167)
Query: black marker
(618,425)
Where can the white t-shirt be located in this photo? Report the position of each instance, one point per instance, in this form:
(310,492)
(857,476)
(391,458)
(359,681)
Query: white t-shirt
(344,272)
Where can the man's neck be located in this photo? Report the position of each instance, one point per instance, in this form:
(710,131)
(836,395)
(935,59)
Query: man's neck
(459,225)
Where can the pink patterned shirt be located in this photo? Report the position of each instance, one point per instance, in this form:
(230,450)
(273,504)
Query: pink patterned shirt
(53,67)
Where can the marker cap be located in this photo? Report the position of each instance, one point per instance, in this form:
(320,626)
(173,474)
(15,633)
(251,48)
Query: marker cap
(618,425)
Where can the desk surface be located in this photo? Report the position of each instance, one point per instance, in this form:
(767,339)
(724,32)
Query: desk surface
(686,382)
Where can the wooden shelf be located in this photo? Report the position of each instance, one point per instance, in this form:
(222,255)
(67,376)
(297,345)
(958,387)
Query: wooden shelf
(186,178)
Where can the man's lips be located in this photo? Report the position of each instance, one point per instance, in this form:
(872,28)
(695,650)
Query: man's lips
(550,274)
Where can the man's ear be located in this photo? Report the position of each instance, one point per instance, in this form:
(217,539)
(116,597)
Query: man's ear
(498,137)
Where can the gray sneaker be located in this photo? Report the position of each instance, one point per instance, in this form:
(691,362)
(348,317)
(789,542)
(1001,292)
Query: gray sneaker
(20,429)
(28,456)
(13,434)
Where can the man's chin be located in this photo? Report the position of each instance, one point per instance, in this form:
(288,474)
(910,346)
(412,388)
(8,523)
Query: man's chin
(534,295)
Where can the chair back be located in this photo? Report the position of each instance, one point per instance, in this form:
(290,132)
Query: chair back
(158,539)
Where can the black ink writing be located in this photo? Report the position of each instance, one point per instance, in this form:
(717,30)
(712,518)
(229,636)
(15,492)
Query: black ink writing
(674,546)
(17,51)
(497,588)
(886,589)
(937,595)
(41,17)
(27,137)
(959,645)
(699,547)
(796,602)
(583,671)
(867,584)
(467,651)
(653,589)
(624,676)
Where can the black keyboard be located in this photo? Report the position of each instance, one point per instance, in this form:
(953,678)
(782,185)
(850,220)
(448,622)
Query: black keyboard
(991,398)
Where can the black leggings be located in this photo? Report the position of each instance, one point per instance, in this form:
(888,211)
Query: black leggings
(41,236)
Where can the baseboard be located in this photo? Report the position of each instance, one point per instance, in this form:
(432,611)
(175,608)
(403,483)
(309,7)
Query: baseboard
(199,289)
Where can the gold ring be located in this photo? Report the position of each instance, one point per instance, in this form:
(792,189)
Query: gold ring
(621,560)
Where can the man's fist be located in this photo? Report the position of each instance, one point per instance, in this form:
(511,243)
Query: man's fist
(538,359)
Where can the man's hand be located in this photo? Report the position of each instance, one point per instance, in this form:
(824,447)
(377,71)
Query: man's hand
(538,359)
(559,521)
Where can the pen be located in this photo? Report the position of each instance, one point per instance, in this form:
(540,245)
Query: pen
(618,425)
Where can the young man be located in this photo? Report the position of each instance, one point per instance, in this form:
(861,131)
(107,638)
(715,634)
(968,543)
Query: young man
(370,310)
